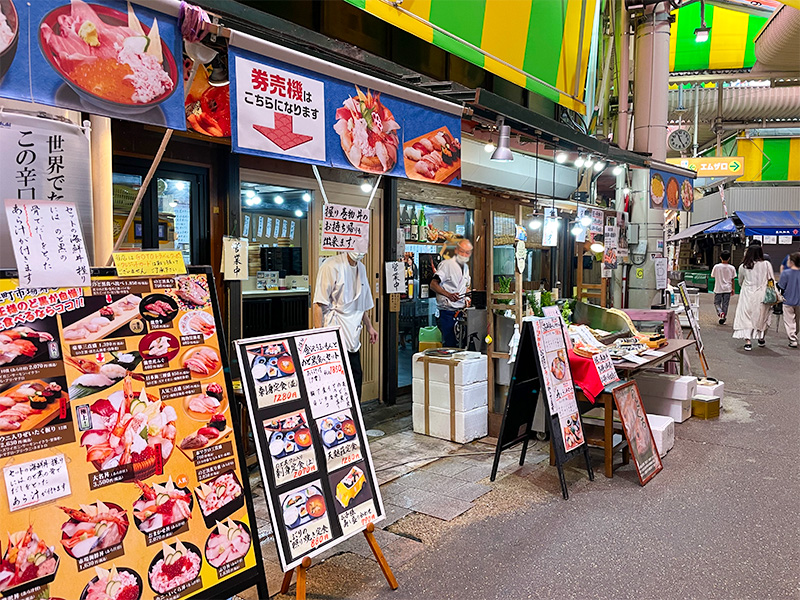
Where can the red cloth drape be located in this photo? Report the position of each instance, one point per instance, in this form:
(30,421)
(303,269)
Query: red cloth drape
(584,374)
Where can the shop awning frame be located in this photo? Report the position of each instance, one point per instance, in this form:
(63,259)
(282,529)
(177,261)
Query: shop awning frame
(724,226)
(694,230)
(762,222)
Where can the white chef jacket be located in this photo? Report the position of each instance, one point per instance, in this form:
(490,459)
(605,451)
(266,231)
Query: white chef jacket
(454,278)
(343,291)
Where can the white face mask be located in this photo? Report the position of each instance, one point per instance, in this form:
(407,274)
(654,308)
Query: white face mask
(356,256)
(462,260)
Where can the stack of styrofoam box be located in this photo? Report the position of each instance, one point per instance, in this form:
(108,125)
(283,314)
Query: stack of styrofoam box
(471,387)
(707,387)
(663,428)
(668,395)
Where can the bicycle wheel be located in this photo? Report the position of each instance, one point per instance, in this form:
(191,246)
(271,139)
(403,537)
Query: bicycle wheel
(460,332)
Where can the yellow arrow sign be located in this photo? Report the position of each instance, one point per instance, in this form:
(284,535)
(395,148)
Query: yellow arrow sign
(712,166)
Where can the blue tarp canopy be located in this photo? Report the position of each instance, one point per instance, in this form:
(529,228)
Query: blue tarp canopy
(725,226)
(779,222)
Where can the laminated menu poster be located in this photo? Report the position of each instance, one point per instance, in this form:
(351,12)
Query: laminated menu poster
(557,379)
(319,477)
(122,476)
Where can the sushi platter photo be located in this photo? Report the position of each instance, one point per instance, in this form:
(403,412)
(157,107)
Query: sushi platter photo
(24,345)
(103,321)
(30,405)
(97,375)
(433,157)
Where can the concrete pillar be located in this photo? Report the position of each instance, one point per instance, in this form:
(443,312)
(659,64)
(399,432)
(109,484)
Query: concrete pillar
(102,189)
(651,87)
(624,74)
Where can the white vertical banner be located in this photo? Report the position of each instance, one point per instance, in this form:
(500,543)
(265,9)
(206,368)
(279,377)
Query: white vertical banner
(550,228)
(395,278)
(48,161)
(582,212)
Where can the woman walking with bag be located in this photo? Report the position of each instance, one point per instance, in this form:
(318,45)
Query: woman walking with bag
(752,315)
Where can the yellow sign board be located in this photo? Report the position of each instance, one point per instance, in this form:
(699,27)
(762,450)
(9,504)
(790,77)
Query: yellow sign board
(712,166)
(152,262)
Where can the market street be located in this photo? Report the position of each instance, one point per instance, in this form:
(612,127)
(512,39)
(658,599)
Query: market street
(720,521)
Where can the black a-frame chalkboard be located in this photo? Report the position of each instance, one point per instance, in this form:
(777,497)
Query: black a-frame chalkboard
(526,383)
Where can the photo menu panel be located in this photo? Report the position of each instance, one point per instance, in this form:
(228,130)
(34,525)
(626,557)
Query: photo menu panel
(312,447)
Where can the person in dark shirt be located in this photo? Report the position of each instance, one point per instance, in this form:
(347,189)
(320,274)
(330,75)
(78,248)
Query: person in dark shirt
(789,285)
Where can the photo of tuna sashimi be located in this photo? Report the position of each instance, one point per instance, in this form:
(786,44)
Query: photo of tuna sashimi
(229,542)
(93,527)
(161,505)
(129,427)
(368,132)
(108,57)
(26,560)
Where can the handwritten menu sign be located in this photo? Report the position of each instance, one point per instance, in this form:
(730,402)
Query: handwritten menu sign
(395,278)
(605,368)
(597,221)
(48,243)
(557,379)
(319,476)
(149,262)
(234,258)
(114,402)
(345,229)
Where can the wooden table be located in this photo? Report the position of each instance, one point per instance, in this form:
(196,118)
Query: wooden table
(627,370)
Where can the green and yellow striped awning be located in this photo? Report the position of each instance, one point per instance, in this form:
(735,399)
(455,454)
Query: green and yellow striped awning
(731,44)
(526,42)
(770,159)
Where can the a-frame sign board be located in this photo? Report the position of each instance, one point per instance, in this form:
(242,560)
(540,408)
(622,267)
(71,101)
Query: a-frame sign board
(542,365)
(693,325)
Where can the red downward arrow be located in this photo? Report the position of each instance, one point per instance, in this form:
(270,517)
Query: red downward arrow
(283,135)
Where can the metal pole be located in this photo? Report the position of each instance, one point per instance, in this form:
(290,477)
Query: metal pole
(696,117)
(624,76)
(718,120)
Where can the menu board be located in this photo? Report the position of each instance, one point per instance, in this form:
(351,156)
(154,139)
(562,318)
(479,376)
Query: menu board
(551,352)
(315,462)
(122,476)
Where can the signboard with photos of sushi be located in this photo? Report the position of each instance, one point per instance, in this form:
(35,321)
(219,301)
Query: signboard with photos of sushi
(283,111)
(122,477)
(670,192)
(318,473)
(105,57)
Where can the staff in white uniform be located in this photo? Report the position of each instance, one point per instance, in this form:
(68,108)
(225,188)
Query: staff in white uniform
(451,284)
(342,298)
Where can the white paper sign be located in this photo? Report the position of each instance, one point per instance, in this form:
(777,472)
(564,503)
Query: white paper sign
(660,265)
(246,226)
(770,239)
(605,368)
(635,358)
(395,279)
(291,231)
(759,238)
(597,221)
(261,226)
(268,228)
(36,482)
(582,212)
(784,239)
(550,227)
(278,111)
(284,228)
(655,353)
(48,244)
(234,258)
(322,366)
(345,228)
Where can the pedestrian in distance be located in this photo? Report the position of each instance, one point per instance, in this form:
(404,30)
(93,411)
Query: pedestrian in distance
(752,315)
(723,273)
(451,285)
(789,285)
(785,264)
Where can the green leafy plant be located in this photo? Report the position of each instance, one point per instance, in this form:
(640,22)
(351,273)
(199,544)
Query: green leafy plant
(503,286)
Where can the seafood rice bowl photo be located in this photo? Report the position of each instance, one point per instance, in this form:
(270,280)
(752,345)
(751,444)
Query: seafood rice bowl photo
(368,133)
(9,35)
(108,58)
(92,528)
(229,542)
(114,584)
(161,505)
(174,566)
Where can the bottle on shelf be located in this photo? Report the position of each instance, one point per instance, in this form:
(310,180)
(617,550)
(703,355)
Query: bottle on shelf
(422,233)
(405,222)
(414,225)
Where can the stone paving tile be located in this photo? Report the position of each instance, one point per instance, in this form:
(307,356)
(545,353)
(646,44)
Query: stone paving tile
(393,514)
(401,550)
(443,507)
(468,492)
(408,497)
(476,473)
(430,482)
(447,466)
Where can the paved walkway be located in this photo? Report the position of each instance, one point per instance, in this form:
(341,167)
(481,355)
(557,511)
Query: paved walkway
(720,521)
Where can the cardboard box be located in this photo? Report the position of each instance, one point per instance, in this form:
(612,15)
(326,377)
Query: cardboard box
(467,397)
(705,407)
(469,370)
(711,389)
(469,425)
(663,428)
(667,386)
(678,410)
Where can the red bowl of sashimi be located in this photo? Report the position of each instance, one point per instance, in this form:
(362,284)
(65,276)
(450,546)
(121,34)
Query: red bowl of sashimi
(106,62)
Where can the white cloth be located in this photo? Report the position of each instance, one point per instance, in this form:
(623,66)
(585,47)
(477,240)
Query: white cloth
(454,278)
(343,291)
(752,315)
(723,275)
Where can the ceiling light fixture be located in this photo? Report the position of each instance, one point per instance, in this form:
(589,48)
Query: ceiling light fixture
(173,204)
(503,151)
(489,147)
(535,224)
(599,166)
(588,162)
(306,197)
(597,247)
(702,33)
(577,229)
(180,185)
(278,200)
(626,191)
(366,187)
(249,193)
(298,213)
(618,170)
(586,220)
(561,157)
(579,162)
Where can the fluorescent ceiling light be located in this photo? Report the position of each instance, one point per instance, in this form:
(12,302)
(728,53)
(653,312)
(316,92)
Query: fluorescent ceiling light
(298,213)
(278,200)
(306,197)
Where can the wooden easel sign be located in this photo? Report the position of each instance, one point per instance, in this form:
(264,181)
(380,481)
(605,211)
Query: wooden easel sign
(637,431)
(693,325)
(312,448)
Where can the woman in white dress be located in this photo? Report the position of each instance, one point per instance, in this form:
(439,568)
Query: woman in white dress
(752,315)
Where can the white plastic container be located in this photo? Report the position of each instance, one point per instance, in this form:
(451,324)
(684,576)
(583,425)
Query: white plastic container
(711,389)
(663,429)
(467,371)
(467,397)
(667,386)
(469,425)
(678,410)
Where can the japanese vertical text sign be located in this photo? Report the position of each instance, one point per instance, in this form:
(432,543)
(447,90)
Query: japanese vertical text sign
(48,245)
(234,258)
(559,389)
(318,473)
(345,229)
(395,278)
(122,413)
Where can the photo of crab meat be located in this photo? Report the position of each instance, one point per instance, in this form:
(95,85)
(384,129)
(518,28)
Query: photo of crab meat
(161,505)
(26,558)
(93,527)
(128,426)
(229,542)
(202,361)
(218,492)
